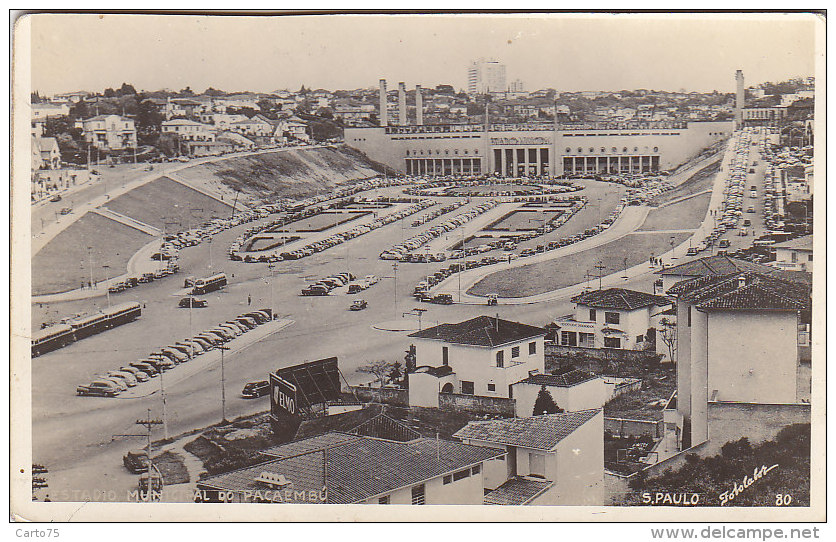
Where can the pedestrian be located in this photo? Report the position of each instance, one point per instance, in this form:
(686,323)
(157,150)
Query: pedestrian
(249,299)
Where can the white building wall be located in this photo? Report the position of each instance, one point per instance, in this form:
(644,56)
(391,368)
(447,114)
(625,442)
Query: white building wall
(583,396)
(752,357)
(580,465)
(469,490)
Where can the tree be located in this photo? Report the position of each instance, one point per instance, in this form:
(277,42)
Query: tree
(126,90)
(544,404)
(380,369)
(445,89)
(668,336)
(186,92)
(35,98)
(410,359)
(214,92)
(325,113)
(395,374)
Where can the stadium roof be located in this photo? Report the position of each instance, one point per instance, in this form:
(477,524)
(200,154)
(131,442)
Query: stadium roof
(481,331)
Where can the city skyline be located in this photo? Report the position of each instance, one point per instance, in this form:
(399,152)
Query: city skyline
(334,52)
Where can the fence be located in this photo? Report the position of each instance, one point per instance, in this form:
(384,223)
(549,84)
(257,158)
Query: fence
(477,404)
(624,427)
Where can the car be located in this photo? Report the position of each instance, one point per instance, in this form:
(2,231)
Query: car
(443,299)
(66,211)
(528,252)
(192,302)
(253,390)
(56,197)
(492,299)
(358,305)
(356,288)
(315,289)
(139,375)
(99,388)
(750,210)
(116,288)
(724,243)
(747,222)
(136,461)
(118,382)
(693,251)
(126,377)
(146,368)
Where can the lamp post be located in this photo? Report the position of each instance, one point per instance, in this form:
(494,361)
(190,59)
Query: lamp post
(223,385)
(271,267)
(106,285)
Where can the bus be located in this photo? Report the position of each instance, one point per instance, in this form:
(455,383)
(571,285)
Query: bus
(84,326)
(51,338)
(122,314)
(209,284)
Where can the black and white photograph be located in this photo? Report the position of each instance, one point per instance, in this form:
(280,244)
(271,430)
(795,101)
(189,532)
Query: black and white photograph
(560,265)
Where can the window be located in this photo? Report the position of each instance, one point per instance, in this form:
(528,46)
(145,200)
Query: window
(612,342)
(491,387)
(500,358)
(580,150)
(809,257)
(467,387)
(568,150)
(586,340)
(624,149)
(568,338)
(383,500)
(532,348)
(612,317)
(448,479)
(793,257)
(639,338)
(418,496)
(614,149)
(593,315)
(515,352)
(476,469)
(461,475)
(655,149)
(445,355)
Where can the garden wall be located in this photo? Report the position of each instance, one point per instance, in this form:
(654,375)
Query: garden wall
(387,396)
(624,427)
(477,404)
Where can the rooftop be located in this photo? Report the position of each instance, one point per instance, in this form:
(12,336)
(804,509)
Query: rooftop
(355,468)
(517,490)
(481,331)
(723,265)
(619,298)
(744,291)
(564,380)
(537,432)
(799,243)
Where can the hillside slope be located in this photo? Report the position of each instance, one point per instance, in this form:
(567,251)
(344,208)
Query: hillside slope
(291,173)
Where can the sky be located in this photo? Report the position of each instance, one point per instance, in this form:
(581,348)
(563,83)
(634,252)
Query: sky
(562,51)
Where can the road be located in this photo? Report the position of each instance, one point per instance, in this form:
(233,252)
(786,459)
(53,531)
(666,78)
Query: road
(74,436)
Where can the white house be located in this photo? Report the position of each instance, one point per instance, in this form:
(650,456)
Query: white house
(795,254)
(338,468)
(45,153)
(572,391)
(293,128)
(43,111)
(485,356)
(189,130)
(110,132)
(555,459)
(257,126)
(738,341)
(611,318)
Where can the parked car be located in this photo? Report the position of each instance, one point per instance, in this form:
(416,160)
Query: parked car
(358,305)
(139,375)
(256,389)
(443,299)
(99,388)
(492,299)
(193,302)
(56,197)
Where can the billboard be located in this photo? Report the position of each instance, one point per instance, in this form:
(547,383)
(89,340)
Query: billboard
(283,397)
(313,382)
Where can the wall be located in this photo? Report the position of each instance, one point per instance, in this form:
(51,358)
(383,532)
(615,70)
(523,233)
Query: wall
(752,357)
(586,395)
(387,396)
(423,390)
(468,490)
(635,428)
(683,362)
(580,466)
(478,404)
(615,386)
(612,354)
(757,422)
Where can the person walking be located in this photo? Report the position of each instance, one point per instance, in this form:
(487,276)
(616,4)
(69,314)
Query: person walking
(249,300)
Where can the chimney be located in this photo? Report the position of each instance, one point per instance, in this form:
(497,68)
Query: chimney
(419,106)
(497,322)
(384,113)
(741,281)
(401,104)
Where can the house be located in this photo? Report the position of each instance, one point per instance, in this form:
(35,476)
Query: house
(49,155)
(795,254)
(257,126)
(70,97)
(291,128)
(210,148)
(571,391)
(338,468)
(182,107)
(611,318)
(43,111)
(550,459)
(189,130)
(110,132)
(221,121)
(713,265)
(737,342)
(481,356)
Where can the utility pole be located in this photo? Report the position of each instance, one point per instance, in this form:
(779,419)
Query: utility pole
(271,267)
(223,385)
(149,423)
(90,264)
(395,269)
(107,280)
(600,267)
(165,417)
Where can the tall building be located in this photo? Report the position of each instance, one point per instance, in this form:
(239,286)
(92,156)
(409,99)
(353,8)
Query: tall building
(485,76)
(738,102)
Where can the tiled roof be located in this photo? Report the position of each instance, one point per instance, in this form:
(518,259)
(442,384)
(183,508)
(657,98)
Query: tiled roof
(298,447)
(517,490)
(481,331)
(360,468)
(743,291)
(537,432)
(713,265)
(564,380)
(799,243)
(343,422)
(619,298)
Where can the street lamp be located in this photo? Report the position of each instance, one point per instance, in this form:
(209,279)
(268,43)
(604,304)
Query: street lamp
(271,267)
(106,284)
(222,348)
